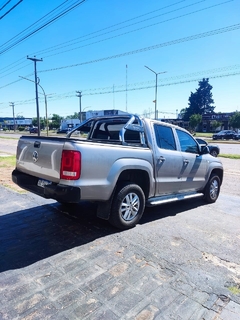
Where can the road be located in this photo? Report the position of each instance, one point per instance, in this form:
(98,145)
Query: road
(180,262)
(9,145)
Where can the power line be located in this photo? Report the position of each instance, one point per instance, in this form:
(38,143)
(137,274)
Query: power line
(10,66)
(165,84)
(54,48)
(6,85)
(127,32)
(35,23)
(204,72)
(27,64)
(42,26)
(66,44)
(73,94)
(157,46)
(47,50)
(11,9)
(3,6)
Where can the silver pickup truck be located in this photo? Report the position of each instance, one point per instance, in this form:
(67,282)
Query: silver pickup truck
(123,163)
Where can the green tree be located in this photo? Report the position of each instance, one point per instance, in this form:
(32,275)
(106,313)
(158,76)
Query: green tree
(35,122)
(73,116)
(56,121)
(215,124)
(234,120)
(182,113)
(201,101)
(195,120)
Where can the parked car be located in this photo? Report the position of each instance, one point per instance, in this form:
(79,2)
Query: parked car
(213,148)
(237,136)
(33,130)
(63,130)
(224,134)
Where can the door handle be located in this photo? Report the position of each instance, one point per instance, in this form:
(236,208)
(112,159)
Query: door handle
(186,161)
(162,159)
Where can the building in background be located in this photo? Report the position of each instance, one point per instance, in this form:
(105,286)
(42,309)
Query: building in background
(72,123)
(223,118)
(206,124)
(8,123)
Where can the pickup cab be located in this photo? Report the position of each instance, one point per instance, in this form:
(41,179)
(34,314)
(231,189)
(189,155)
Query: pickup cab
(123,163)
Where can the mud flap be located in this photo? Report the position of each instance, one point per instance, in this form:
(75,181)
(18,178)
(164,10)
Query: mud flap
(104,208)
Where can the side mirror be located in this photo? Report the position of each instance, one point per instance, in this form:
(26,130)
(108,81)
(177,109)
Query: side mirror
(204,150)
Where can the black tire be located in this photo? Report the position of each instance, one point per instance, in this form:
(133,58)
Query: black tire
(212,189)
(214,153)
(127,207)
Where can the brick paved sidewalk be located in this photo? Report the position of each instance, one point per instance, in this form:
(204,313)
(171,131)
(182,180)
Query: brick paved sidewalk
(60,266)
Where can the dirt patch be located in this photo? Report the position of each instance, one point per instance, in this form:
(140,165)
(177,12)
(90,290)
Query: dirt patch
(6,167)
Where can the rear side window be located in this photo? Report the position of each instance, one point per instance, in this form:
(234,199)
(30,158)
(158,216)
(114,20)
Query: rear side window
(164,137)
(187,143)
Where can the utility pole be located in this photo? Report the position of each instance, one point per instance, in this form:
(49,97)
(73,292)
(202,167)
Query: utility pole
(45,99)
(79,95)
(12,105)
(35,60)
(126,86)
(113,97)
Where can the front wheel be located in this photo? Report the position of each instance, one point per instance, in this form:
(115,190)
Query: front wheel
(212,189)
(214,153)
(127,207)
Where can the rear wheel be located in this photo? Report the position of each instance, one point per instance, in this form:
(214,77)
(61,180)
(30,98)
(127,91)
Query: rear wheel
(212,189)
(127,207)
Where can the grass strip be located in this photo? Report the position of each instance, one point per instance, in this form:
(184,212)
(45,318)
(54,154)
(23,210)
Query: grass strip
(9,138)
(9,161)
(230,156)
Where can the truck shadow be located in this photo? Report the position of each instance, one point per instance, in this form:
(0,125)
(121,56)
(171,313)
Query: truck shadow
(33,234)
(170,209)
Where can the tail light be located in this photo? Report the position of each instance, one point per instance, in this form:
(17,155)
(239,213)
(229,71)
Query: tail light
(70,165)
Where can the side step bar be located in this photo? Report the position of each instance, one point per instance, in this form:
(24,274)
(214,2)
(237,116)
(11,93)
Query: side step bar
(171,198)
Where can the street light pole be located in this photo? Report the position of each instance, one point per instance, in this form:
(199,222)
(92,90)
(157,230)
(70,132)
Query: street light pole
(45,100)
(79,95)
(12,105)
(156,86)
(84,113)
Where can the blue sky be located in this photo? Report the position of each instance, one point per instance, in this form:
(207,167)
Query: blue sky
(101,48)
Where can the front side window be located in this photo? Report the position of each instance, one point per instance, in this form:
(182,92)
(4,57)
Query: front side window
(164,137)
(187,143)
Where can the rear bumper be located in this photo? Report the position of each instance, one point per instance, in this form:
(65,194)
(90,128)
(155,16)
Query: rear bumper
(59,192)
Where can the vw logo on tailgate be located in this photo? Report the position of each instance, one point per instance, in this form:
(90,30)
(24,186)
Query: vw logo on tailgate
(35,156)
